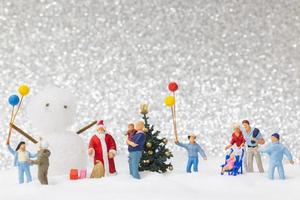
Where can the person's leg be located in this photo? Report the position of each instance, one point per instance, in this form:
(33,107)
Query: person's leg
(281,171)
(135,164)
(21,173)
(258,160)
(45,176)
(130,162)
(271,171)
(195,164)
(245,161)
(189,165)
(250,160)
(27,172)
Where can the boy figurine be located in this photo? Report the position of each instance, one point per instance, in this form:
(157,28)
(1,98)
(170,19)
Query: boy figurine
(21,160)
(43,162)
(276,150)
(135,148)
(193,149)
(130,131)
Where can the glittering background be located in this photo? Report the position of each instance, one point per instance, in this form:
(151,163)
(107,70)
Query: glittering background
(232,59)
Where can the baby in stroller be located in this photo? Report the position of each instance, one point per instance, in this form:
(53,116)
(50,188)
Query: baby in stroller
(233,162)
(229,164)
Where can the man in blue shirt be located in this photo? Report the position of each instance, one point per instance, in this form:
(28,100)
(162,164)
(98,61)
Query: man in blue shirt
(253,138)
(193,149)
(135,148)
(276,151)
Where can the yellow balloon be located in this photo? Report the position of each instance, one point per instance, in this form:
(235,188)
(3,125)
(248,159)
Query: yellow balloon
(169,101)
(24,90)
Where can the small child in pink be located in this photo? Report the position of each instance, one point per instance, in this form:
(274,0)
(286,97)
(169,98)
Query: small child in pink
(230,164)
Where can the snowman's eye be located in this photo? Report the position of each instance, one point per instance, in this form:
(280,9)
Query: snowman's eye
(47,104)
(65,106)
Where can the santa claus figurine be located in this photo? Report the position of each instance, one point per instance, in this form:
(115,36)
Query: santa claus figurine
(103,147)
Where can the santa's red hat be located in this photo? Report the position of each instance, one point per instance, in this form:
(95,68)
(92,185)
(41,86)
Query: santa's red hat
(100,124)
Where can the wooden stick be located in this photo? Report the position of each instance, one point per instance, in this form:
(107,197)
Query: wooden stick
(10,128)
(174,124)
(23,133)
(86,127)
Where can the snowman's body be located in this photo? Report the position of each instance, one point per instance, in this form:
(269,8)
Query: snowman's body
(52,112)
(67,152)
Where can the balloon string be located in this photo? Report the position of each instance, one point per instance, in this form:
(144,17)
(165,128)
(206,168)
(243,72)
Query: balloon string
(174,124)
(14,117)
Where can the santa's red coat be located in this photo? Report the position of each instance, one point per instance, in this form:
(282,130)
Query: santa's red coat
(95,144)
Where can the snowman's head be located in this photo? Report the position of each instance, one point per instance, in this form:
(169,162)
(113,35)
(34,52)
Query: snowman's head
(52,110)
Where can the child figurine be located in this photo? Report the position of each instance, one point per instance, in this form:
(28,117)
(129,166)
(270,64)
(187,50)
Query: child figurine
(193,149)
(135,148)
(276,150)
(230,164)
(21,160)
(130,131)
(43,162)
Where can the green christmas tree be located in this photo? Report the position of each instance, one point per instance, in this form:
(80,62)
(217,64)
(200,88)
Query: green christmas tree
(155,154)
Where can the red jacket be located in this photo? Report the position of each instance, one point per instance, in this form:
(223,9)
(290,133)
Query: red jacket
(95,144)
(238,140)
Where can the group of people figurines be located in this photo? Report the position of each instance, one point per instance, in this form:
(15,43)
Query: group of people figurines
(102,147)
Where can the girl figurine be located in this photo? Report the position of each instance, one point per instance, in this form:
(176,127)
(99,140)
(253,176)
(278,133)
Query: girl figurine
(193,149)
(21,160)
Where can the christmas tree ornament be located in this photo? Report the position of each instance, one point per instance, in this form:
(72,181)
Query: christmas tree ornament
(145,130)
(173,86)
(150,152)
(148,145)
(168,153)
(165,141)
(170,168)
(144,109)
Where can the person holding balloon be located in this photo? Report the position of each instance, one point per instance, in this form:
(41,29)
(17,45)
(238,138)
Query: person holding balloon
(21,160)
(21,155)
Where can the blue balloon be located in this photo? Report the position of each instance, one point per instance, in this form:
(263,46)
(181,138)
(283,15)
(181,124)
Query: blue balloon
(13,100)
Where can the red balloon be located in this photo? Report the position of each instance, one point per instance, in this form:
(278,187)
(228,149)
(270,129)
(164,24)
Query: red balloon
(173,86)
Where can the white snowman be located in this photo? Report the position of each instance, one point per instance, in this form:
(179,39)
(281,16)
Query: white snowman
(52,112)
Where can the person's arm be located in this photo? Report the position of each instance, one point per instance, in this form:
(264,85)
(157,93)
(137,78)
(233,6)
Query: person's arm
(182,145)
(288,154)
(137,141)
(32,155)
(13,152)
(259,139)
(230,144)
(202,153)
(267,150)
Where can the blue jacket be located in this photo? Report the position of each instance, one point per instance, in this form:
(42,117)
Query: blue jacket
(16,155)
(139,138)
(276,151)
(193,149)
(249,136)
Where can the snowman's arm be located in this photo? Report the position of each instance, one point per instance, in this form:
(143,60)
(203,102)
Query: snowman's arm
(86,127)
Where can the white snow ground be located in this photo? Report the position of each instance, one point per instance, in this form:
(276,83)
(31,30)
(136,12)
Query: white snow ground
(208,184)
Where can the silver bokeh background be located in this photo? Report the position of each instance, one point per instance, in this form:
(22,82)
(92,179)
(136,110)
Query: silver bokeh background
(233,60)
